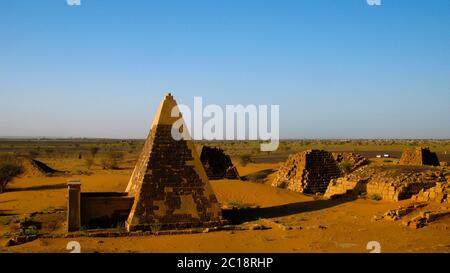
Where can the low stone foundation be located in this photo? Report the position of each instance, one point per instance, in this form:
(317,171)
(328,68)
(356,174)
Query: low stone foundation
(392,183)
(440,193)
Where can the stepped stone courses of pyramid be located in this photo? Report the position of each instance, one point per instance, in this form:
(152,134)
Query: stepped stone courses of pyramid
(419,156)
(356,160)
(309,172)
(169,183)
(217,164)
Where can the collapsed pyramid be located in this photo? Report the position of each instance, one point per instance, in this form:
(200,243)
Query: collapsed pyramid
(169,184)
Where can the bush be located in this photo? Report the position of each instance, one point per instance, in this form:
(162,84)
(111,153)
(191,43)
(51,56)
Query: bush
(9,168)
(236,204)
(345,166)
(94,151)
(33,154)
(376,197)
(257,177)
(89,162)
(111,161)
(244,160)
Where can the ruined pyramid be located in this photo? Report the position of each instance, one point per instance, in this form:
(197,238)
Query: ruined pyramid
(170,187)
(309,171)
(419,156)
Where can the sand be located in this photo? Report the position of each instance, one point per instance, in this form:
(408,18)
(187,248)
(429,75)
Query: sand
(318,225)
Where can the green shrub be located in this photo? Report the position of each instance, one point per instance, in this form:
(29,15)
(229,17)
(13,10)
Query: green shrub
(30,230)
(376,197)
(155,228)
(94,151)
(236,204)
(257,177)
(112,160)
(244,160)
(89,162)
(10,167)
(345,166)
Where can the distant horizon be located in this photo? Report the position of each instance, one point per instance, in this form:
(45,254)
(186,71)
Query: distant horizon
(282,139)
(337,69)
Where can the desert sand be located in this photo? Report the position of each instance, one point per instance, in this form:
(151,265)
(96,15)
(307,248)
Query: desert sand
(295,222)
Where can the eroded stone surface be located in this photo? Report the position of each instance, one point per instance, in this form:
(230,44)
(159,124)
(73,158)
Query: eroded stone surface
(388,182)
(309,172)
(419,156)
(356,160)
(440,193)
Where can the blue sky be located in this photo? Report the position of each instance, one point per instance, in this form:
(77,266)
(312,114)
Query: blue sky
(338,69)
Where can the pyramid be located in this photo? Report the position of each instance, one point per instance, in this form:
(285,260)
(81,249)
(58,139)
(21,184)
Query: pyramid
(170,187)
(309,171)
(217,163)
(419,156)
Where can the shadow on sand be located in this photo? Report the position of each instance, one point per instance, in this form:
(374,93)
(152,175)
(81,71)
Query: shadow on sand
(238,216)
(40,188)
(6,213)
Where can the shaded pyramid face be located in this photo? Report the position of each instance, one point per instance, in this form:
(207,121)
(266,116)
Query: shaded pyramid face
(169,183)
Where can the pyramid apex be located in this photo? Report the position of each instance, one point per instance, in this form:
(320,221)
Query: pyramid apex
(168,96)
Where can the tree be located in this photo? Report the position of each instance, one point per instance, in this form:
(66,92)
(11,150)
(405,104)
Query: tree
(89,162)
(9,168)
(111,161)
(94,151)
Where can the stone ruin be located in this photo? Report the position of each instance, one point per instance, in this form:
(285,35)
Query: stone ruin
(356,160)
(388,182)
(217,164)
(419,156)
(168,189)
(440,194)
(417,215)
(308,172)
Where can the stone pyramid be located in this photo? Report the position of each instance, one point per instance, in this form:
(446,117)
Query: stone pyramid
(169,184)
(419,156)
(309,171)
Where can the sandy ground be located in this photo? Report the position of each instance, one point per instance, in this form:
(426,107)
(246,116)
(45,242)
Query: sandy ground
(318,225)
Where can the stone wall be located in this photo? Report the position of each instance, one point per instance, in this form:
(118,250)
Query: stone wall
(388,182)
(344,186)
(309,172)
(104,209)
(440,193)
